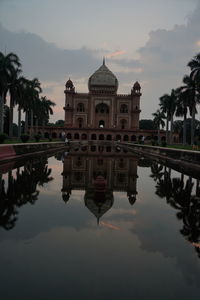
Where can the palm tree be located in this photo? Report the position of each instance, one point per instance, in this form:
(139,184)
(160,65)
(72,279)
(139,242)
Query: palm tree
(8,65)
(164,185)
(168,106)
(156,171)
(32,92)
(21,96)
(182,105)
(178,126)
(158,121)
(13,89)
(194,65)
(47,107)
(190,92)
(43,109)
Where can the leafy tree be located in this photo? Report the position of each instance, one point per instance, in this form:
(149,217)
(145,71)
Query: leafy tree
(60,123)
(145,124)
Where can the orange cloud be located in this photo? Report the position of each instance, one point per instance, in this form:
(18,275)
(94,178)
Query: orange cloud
(116,53)
(110,226)
(198,43)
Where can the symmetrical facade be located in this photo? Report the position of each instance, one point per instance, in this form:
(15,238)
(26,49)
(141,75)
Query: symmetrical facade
(102,114)
(81,172)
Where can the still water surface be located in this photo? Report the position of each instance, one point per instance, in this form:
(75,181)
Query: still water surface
(98,227)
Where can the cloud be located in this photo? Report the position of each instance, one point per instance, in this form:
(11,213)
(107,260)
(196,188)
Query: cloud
(45,60)
(110,226)
(116,53)
(164,59)
(160,66)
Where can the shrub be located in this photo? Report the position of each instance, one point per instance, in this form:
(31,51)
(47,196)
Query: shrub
(24,138)
(154,143)
(37,137)
(3,136)
(163,144)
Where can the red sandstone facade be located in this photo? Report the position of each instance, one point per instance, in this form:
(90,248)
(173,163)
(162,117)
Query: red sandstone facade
(102,114)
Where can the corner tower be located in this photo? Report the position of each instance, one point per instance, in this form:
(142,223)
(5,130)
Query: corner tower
(69,100)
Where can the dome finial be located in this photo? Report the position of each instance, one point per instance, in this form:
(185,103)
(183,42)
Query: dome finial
(103,80)
(69,85)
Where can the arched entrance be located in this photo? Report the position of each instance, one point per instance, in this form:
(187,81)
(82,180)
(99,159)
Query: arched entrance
(102,115)
(101,124)
(123,124)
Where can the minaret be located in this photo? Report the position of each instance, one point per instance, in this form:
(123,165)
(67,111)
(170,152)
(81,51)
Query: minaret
(135,105)
(69,103)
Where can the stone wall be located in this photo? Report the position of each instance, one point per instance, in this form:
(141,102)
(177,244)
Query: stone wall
(181,160)
(14,151)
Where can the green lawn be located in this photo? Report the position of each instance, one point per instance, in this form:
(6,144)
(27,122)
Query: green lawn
(187,147)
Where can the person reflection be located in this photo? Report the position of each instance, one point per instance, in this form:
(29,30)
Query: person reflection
(66,195)
(131,197)
(64,155)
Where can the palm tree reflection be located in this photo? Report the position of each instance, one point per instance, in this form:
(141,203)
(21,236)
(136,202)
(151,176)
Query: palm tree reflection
(21,189)
(181,195)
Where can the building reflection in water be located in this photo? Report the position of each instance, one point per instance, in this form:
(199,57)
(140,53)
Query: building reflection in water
(99,176)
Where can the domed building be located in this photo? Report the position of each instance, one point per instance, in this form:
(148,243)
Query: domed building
(102,114)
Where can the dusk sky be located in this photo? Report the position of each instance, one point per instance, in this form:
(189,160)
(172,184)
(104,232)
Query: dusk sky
(148,40)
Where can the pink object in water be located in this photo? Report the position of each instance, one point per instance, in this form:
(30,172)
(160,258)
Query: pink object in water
(100,184)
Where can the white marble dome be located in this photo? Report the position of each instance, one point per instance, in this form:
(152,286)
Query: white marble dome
(103,80)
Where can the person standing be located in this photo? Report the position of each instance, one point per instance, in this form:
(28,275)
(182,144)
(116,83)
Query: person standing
(63,136)
(142,139)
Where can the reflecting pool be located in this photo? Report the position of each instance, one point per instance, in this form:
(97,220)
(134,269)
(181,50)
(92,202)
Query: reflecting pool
(114,226)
